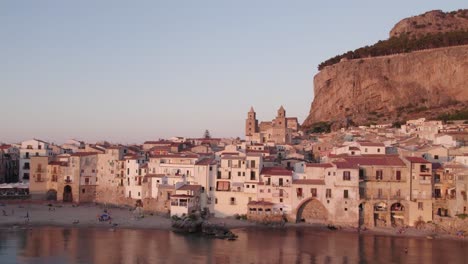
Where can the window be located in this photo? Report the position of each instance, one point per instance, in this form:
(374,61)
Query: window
(378,150)
(345,194)
(252,163)
(83,190)
(398,193)
(86,180)
(378,174)
(216,200)
(243,173)
(252,175)
(346,175)
(420,206)
(238,173)
(379,193)
(398,175)
(328,193)
(313,191)
(247,186)
(436,157)
(299,192)
(233,201)
(222,186)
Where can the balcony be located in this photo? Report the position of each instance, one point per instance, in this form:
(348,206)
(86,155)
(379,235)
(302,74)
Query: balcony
(425,181)
(40,170)
(425,170)
(68,181)
(281,195)
(281,185)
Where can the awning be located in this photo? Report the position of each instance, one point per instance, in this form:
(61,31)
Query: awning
(398,216)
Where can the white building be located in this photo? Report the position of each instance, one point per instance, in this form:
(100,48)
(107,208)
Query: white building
(29,148)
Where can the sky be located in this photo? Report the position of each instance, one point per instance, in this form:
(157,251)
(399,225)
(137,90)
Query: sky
(130,71)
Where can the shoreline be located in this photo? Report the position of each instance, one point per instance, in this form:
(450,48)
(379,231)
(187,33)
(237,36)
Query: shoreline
(86,216)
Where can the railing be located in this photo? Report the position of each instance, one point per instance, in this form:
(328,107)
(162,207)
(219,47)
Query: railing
(68,181)
(40,170)
(281,185)
(425,170)
(424,181)
(282,195)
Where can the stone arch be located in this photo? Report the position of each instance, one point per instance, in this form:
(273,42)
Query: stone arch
(397,214)
(67,194)
(51,195)
(311,211)
(380,214)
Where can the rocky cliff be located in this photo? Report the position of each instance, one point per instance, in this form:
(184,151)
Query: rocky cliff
(390,88)
(385,89)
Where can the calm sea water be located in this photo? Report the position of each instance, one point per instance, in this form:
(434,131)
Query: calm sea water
(292,245)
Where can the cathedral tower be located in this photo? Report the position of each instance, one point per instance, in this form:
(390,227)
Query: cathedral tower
(251,123)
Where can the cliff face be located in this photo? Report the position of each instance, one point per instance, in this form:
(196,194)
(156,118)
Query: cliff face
(389,88)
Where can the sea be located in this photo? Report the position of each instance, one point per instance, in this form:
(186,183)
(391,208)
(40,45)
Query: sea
(254,245)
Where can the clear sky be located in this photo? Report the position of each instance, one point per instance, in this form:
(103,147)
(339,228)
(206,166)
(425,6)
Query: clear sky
(129,71)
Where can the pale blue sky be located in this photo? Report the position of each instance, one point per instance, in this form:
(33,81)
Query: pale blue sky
(128,71)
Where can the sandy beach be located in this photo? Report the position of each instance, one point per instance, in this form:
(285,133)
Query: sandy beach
(67,215)
(41,214)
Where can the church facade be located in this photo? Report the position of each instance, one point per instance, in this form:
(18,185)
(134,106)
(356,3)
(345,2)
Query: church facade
(278,131)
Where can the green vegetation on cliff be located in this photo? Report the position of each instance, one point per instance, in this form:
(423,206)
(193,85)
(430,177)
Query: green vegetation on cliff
(402,44)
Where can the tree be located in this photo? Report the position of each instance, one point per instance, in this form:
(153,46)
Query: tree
(207,135)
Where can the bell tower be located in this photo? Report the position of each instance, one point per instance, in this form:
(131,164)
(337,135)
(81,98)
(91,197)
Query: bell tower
(251,123)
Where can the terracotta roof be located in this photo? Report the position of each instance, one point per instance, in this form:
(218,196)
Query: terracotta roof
(377,160)
(191,156)
(309,181)
(5,146)
(205,162)
(417,160)
(276,171)
(83,154)
(345,165)
(189,187)
(371,144)
(319,165)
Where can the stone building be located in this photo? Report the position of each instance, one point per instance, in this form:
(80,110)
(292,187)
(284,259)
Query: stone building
(9,164)
(280,130)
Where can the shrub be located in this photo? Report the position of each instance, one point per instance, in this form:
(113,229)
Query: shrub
(403,44)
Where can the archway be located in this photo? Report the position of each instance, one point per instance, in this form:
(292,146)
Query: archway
(312,211)
(51,195)
(361,214)
(67,194)
(380,214)
(397,214)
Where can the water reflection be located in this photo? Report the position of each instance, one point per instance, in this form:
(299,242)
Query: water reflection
(301,245)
